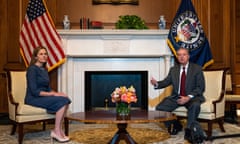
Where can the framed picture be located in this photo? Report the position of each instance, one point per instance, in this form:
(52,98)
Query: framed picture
(115,2)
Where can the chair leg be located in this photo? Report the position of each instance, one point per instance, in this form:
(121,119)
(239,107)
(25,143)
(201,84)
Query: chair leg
(44,126)
(20,133)
(220,123)
(14,127)
(209,132)
(66,126)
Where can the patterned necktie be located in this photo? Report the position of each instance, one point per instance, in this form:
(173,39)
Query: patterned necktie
(182,84)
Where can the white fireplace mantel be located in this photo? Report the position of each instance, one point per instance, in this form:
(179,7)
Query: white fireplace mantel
(111,50)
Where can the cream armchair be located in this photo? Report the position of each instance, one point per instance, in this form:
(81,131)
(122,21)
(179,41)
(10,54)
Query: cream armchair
(232,99)
(212,110)
(19,112)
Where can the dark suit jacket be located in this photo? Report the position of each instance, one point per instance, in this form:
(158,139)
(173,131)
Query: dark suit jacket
(195,82)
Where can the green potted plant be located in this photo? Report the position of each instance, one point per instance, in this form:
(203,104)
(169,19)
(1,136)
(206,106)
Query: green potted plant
(130,22)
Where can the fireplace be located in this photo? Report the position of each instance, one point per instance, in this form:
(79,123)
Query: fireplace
(116,51)
(100,84)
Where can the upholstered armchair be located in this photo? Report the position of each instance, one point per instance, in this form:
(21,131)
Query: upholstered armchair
(232,99)
(19,112)
(212,110)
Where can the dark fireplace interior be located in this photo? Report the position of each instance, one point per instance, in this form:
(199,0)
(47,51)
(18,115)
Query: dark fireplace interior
(100,84)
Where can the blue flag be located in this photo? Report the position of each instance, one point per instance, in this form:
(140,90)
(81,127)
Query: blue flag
(186,31)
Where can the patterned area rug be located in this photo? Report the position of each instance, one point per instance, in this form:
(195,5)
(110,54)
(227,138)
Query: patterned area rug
(97,134)
(142,134)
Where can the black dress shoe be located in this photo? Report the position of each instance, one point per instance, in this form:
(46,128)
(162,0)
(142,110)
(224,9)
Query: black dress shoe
(169,128)
(187,135)
(177,127)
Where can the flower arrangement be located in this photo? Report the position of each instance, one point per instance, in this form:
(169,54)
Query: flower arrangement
(124,94)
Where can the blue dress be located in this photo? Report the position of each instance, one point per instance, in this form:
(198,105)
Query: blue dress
(38,80)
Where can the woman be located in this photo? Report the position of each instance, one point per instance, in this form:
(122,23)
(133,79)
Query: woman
(40,94)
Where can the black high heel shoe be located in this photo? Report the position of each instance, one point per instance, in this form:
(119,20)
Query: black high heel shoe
(57,138)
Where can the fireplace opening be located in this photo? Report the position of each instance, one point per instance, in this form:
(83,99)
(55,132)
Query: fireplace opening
(100,84)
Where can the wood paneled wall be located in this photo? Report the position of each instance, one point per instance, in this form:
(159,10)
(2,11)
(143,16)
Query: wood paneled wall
(149,10)
(219,32)
(3,33)
(235,44)
(218,17)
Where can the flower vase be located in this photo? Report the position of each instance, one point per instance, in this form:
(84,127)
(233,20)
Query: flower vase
(66,22)
(123,109)
(162,22)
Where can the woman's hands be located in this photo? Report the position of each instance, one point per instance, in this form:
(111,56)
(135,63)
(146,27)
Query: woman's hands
(52,93)
(58,94)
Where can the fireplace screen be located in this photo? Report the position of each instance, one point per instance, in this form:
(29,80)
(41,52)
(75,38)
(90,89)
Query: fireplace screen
(100,84)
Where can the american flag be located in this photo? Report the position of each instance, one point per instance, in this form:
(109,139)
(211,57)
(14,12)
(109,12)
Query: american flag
(39,30)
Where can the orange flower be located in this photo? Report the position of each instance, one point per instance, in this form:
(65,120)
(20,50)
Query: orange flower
(124,94)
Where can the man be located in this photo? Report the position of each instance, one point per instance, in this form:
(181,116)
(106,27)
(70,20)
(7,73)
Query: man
(190,96)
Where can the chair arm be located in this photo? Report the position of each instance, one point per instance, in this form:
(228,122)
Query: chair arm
(232,98)
(12,106)
(218,101)
(11,99)
(221,98)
